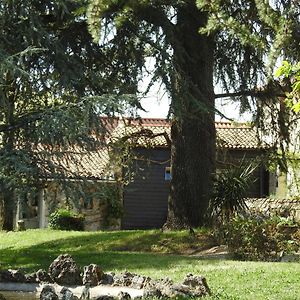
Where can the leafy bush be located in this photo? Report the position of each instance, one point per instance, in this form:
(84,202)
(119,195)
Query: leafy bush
(63,219)
(261,239)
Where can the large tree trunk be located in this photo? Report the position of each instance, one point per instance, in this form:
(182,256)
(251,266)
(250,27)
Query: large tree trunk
(8,138)
(7,206)
(193,130)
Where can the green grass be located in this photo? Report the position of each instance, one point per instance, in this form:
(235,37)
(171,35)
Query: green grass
(138,251)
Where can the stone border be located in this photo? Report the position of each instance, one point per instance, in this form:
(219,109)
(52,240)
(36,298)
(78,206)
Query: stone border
(64,280)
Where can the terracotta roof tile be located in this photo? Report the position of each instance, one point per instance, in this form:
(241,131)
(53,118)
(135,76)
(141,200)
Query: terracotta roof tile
(151,132)
(146,132)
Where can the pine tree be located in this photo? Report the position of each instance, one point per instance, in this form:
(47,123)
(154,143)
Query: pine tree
(196,44)
(52,90)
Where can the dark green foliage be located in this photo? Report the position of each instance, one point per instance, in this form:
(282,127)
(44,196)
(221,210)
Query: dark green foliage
(63,219)
(54,84)
(230,189)
(257,238)
(186,39)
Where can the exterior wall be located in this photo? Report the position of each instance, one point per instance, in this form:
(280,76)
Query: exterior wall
(264,182)
(279,207)
(53,197)
(145,200)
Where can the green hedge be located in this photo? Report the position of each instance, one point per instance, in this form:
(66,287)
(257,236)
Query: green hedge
(63,219)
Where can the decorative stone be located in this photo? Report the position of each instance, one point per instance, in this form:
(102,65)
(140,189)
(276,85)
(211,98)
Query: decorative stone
(64,271)
(175,291)
(123,296)
(290,257)
(48,293)
(5,276)
(43,276)
(12,276)
(138,282)
(31,278)
(198,284)
(160,284)
(152,293)
(107,278)
(92,275)
(67,294)
(123,279)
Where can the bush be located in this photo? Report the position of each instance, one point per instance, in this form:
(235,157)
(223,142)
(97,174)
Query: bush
(256,238)
(63,219)
(230,188)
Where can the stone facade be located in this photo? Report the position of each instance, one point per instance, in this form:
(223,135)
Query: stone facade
(270,206)
(35,214)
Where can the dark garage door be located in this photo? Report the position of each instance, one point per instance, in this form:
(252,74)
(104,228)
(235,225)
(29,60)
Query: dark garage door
(146,198)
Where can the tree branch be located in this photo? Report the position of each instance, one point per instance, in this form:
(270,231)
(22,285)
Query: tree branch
(250,93)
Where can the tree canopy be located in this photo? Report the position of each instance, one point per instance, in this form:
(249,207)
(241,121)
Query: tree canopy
(52,91)
(55,81)
(196,44)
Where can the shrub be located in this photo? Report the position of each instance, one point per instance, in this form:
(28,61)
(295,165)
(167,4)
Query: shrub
(63,219)
(256,238)
(229,191)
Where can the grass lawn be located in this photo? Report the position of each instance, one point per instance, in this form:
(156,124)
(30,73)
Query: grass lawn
(148,253)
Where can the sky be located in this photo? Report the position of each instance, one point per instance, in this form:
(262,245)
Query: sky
(157,102)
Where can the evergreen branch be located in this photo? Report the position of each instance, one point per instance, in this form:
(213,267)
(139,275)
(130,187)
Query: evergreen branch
(249,93)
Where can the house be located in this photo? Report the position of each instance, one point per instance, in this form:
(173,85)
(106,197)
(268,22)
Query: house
(144,196)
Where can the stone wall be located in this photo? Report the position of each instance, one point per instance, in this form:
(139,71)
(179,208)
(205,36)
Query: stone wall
(54,197)
(270,206)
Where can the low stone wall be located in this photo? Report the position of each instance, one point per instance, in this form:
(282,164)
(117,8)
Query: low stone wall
(65,280)
(272,206)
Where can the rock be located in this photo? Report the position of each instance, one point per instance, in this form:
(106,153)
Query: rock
(123,296)
(12,276)
(5,276)
(107,278)
(159,284)
(105,297)
(198,285)
(31,278)
(138,282)
(152,293)
(123,279)
(290,257)
(43,276)
(175,291)
(67,294)
(48,293)
(92,275)
(64,271)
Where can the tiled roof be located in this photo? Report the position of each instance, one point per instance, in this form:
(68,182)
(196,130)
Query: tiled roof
(156,133)
(144,133)
(238,138)
(75,164)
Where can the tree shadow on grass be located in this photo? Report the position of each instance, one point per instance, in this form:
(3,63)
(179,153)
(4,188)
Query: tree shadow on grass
(102,248)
